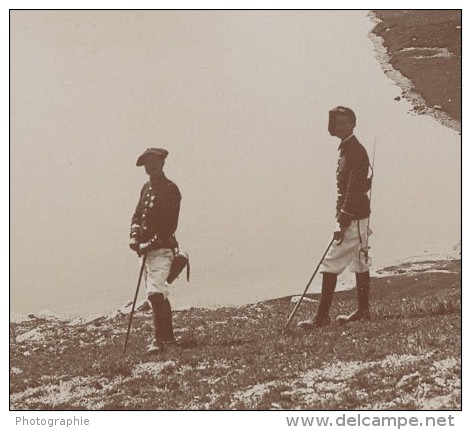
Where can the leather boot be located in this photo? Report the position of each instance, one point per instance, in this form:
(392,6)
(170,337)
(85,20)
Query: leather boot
(167,323)
(329,282)
(363,293)
(157,302)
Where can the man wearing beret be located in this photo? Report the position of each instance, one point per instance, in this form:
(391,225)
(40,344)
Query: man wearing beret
(350,246)
(153,229)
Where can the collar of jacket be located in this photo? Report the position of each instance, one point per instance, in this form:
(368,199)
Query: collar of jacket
(347,143)
(155,180)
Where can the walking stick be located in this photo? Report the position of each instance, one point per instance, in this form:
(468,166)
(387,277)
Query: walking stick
(134,302)
(307,286)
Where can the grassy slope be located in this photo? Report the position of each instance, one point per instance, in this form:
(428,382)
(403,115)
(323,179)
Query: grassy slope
(237,358)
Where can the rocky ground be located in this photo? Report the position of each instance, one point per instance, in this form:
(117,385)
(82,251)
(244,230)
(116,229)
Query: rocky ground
(408,357)
(424,46)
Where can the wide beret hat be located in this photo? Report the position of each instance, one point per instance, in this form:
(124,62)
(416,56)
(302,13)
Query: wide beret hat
(158,152)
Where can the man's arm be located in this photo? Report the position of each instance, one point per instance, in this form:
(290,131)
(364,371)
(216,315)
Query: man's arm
(356,187)
(135,226)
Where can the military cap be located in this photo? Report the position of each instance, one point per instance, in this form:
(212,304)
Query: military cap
(340,110)
(159,152)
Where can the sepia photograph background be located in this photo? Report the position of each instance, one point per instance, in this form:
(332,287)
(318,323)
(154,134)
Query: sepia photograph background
(240,99)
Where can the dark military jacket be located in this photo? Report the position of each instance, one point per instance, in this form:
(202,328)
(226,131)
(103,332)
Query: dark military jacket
(155,219)
(352,180)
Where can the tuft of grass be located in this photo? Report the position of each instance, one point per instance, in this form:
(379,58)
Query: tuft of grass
(114,367)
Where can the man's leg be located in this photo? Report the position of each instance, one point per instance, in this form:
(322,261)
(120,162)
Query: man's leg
(329,281)
(158,317)
(334,263)
(363,293)
(157,269)
(360,265)
(167,323)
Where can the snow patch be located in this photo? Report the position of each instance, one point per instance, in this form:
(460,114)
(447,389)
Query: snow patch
(422,53)
(253,393)
(31,335)
(328,382)
(296,299)
(152,368)
(79,392)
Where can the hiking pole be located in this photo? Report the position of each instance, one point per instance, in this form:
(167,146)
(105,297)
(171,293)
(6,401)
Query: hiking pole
(307,286)
(134,302)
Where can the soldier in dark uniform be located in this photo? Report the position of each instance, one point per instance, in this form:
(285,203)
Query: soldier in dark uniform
(350,247)
(153,229)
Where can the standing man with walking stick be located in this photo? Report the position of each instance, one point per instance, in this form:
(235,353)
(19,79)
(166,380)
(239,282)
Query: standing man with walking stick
(153,229)
(350,247)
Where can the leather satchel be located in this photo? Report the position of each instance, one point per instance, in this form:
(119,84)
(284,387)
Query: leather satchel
(180,261)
